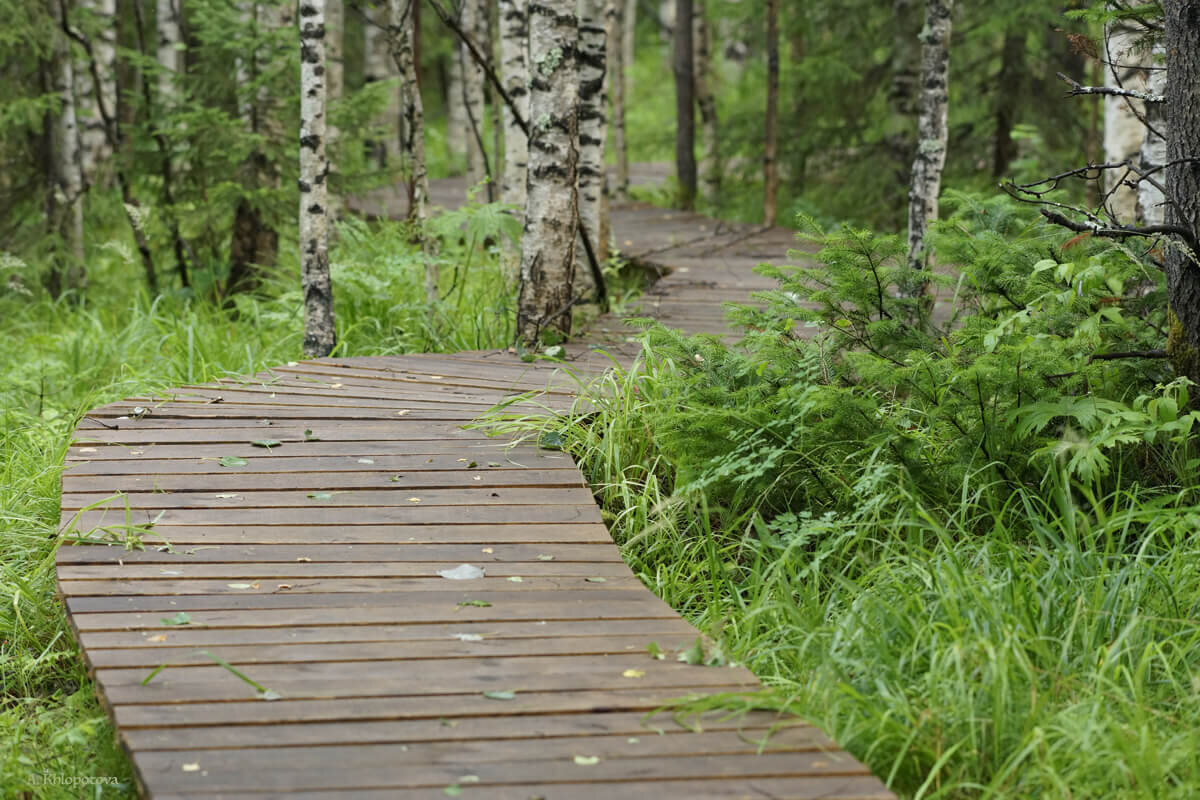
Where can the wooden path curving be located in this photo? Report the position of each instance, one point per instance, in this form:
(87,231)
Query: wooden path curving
(311,568)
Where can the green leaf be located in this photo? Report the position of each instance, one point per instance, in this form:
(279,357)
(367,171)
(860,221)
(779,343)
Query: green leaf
(500,694)
(587,761)
(453,790)
(551,440)
(694,655)
(655,651)
(476,603)
(267,443)
(320,496)
(232,461)
(596,580)
(181,618)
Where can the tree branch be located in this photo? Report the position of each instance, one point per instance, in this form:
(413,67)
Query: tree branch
(1078,88)
(1129,354)
(1120,231)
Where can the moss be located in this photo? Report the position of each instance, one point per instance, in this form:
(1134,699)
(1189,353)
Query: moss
(1184,355)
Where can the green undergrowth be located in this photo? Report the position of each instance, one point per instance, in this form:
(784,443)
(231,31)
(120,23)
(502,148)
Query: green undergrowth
(960,544)
(64,357)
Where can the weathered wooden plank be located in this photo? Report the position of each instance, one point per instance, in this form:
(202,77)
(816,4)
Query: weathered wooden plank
(483,554)
(493,449)
(331,496)
(523,458)
(377,569)
(249,482)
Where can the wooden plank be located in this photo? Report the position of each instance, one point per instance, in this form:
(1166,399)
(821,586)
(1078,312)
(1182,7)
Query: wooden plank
(399,551)
(244,482)
(330,496)
(376,569)
(493,449)
(515,459)
(400,430)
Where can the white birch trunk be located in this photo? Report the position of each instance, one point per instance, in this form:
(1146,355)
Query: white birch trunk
(1151,208)
(378,66)
(593,130)
(706,101)
(1123,131)
(548,246)
(618,81)
(320,335)
(68,161)
(931,127)
(96,148)
(401,36)
(169,50)
(514,67)
(474,22)
(456,110)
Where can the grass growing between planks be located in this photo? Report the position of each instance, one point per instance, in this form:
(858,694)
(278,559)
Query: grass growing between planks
(62,358)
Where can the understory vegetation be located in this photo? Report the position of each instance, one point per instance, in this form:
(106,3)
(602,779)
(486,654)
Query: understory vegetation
(964,545)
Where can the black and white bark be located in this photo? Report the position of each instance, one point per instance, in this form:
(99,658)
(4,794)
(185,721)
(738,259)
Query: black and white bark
(456,109)
(685,104)
(1181,262)
(706,102)
(402,35)
(593,129)
(95,147)
(169,50)
(628,41)
(545,298)
(514,67)
(618,81)
(320,334)
(932,132)
(771,123)
(473,21)
(1124,79)
(69,272)
(1153,155)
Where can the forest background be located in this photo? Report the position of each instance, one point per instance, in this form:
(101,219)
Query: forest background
(965,547)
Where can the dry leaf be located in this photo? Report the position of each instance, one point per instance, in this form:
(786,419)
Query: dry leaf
(634,673)
(225,496)
(414,499)
(487,550)
(94,450)
(159,638)
(401,413)
(366,461)
(303,558)
(544,557)
(191,767)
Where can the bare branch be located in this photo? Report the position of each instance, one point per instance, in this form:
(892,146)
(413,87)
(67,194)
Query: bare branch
(1120,231)
(1078,88)
(1130,354)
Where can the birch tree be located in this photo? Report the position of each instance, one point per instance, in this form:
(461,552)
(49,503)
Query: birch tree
(168,22)
(1151,202)
(932,134)
(320,335)
(706,101)
(67,194)
(771,124)
(473,21)
(94,137)
(1123,129)
(544,298)
(685,116)
(618,81)
(514,68)
(402,37)
(379,66)
(593,129)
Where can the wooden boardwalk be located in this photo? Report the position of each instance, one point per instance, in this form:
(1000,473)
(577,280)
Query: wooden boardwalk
(296,525)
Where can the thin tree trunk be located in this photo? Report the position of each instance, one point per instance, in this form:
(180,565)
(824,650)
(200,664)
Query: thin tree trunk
(902,93)
(771,124)
(593,128)
(70,271)
(473,14)
(618,72)
(320,333)
(1182,45)
(706,100)
(685,111)
(544,299)
(1010,88)
(932,131)
(402,30)
(1123,130)
(168,21)
(456,109)
(628,41)
(495,173)
(514,37)
(1151,208)
(96,150)
(379,66)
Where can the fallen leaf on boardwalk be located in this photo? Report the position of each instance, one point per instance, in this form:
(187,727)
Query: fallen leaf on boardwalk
(283,586)
(159,638)
(516,579)
(169,572)
(472,465)
(487,550)
(226,496)
(634,673)
(335,385)
(587,761)
(309,436)
(435,377)
(632,740)
(269,695)
(551,440)
(414,499)
(267,443)
(494,464)
(463,572)
(94,450)
(655,651)
(477,478)
(396,478)
(461,460)
(136,452)
(239,585)
(191,767)
(366,461)
(303,558)
(469,779)
(596,580)
(467,637)
(453,790)
(181,618)
(544,557)
(401,413)
(476,603)
(500,694)
(232,461)
(320,496)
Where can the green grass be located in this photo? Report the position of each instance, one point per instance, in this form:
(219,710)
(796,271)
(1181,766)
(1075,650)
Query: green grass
(62,358)
(1004,646)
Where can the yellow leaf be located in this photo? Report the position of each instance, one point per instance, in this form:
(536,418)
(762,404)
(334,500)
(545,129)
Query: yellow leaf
(634,673)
